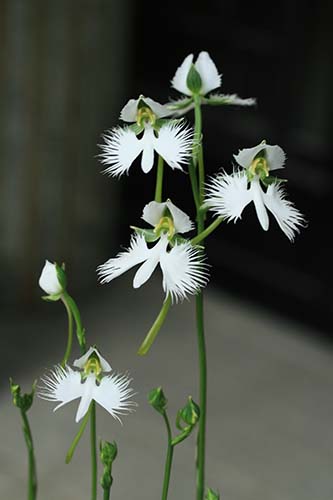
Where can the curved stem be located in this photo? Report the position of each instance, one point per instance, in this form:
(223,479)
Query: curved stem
(77,318)
(151,335)
(159,180)
(93,451)
(77,438)
(207,231)
(70,333)
(168,461)
(32,475)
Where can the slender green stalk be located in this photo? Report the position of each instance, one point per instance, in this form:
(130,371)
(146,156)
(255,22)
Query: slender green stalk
(93,451)
(77,318)
(70,333)
(194,184)
(106,493)
(150,337)
(201,441)
(159,180)
(207,231)
(168,461)
(32,475)
(77,438)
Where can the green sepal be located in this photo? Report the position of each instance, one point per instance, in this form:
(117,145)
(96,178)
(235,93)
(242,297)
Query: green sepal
(180,103)
(148,234)
(271,179)
(23,402)
(157,400)
(52,298)
(193,80)
(137,129)
(212,495)
(216,100)
(61,275)
(163,121)
(177,240)
(190,414)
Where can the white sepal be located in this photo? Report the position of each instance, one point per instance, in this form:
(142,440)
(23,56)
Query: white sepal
(129,111)
(80,362)
(49,281)
(230,99)
(276,157)
(154,210)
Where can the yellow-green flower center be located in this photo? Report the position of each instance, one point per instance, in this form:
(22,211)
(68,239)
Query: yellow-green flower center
(165,225)
(92,367)
(259,166)
(145,115)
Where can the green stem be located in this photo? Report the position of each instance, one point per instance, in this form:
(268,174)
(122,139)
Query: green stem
(77,318)
(168,462)
(70,333)
(201,442)
(77,438)
(194,184)
(32,475)
(150,337)
(93,450)
(207,231)
(159,180)
(106,494)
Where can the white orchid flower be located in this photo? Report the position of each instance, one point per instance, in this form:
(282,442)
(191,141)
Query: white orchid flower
(228,195)
(210,79)
(183,268)
(49,279)
(169,139)
(88,382)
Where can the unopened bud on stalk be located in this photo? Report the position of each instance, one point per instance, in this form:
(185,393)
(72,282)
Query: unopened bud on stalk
(23,402)
(108,453)
(190,414)
(53,280)
(193,80)
(158,400)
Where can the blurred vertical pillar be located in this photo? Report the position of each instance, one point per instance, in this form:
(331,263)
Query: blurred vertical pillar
(63,81)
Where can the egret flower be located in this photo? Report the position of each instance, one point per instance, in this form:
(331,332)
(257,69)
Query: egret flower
(200,78)
(228,195)
(183,268)
(168,138)
(88,382)
(50,280)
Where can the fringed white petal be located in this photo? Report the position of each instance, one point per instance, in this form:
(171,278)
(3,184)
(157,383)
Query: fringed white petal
(231,99)
(113,394)
(184,271)
(62,384)
(135,254)
(174,143)
(80,362)
(120,150)
(275,156)
(153,212)
(208,72)
(227,195)
(179,80)
(284,211)
(257,195)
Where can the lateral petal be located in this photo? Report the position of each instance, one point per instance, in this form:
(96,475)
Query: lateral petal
(135,254)
(228,195)
(120,150)
(184,271)
(286,214)
(174,143)
(209,75)
(179,80)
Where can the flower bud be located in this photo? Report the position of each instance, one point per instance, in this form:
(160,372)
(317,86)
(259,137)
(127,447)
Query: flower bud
(211,495)
(157,399)
(193,81)
(190,414)
(108,452)
(23,402)
(52,279)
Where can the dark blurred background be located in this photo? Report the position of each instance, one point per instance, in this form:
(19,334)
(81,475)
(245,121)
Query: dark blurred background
(67,68)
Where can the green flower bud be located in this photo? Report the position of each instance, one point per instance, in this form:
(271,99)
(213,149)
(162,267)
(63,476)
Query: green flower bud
(157,400)
(23,402)
(193,81)
(108,452)
(190,414)
(211,495)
